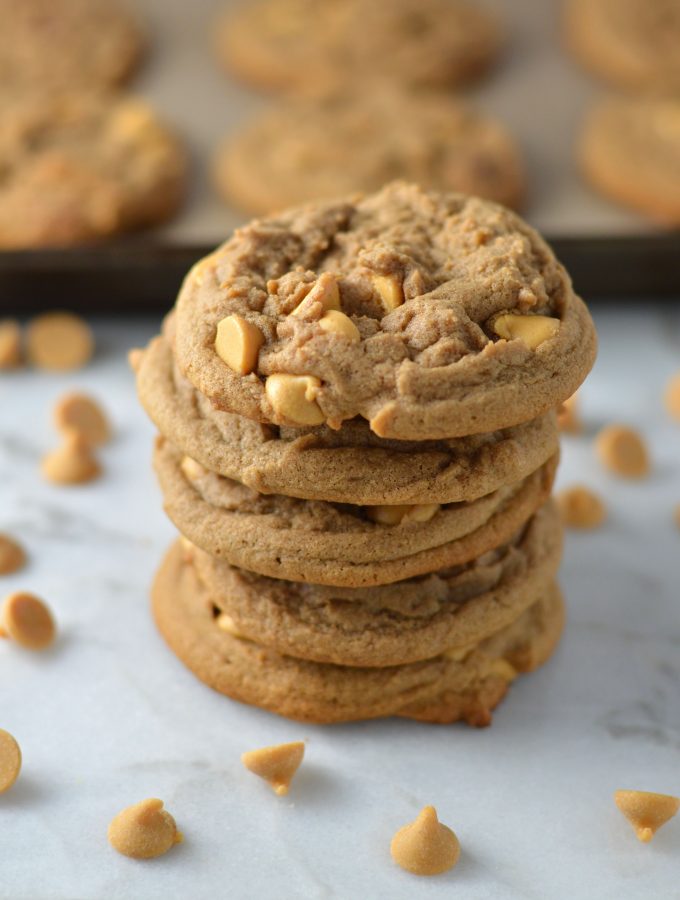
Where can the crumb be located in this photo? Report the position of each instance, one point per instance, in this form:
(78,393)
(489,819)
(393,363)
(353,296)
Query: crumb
(568,418)
(72,463)
(12,555)
(25,619)
(144,831)
(59,342)
(646,811)
(623,451)
(276,765)
(10,761)
(78,412)
(425,846)
(10,344)
(580,507)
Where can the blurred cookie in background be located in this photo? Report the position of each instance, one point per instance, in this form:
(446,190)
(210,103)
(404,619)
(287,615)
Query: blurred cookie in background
(288,44)
(68,43)
(78,167)
(631,43)
(318,148)
(630,151)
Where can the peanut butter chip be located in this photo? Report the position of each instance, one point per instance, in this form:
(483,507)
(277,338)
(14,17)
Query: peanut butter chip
(226,623)
(144,830)
(276,764)
(580,507)
(532,330)
(135,357)
(323,297)
(645,811)
(238,343)
(192,470)
(12,556)
(80,413)
(293,397)
(59,342)
(10,761)
(425,846)
(25,619)
(568,419)
(672,396)
(72,463)
(390,290)
(623,451)
(334,322)
(10,344)
(402,513)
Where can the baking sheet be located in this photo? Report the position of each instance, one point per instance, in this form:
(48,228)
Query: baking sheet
(537,91)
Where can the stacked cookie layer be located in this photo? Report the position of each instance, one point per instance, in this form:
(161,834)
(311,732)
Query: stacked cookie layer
(356,403)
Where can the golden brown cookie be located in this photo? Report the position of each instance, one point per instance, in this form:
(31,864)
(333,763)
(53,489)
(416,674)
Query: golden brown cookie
(445,688)
(68,43)
(632,43)
(337,544)
(466,321)
(390,624)
(350,465)
(80,166)
(629,151)
(288,44)
(325,147)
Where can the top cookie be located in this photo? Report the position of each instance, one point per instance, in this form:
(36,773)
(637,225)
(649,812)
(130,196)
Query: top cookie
(286,44)
(431,315)
(67,43)
(632,43)
(325,146)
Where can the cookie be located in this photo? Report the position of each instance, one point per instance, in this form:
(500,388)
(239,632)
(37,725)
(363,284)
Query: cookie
(396,623)
(82,166)
(461,320)
(67,43)
(325,147)
(629,151)
(448,687)
(337,544)
(351,465)
(288,44)
(631,43)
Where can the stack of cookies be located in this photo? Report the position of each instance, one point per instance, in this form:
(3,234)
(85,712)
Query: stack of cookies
(357,406)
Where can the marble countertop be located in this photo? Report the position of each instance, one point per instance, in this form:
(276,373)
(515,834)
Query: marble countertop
(109,716)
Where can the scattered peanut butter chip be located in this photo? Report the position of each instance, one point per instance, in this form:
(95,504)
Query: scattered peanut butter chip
(398,513)
(10,761)
(323,296)
(580,507)
(645,811)
(12,556)
(72,463)
(425,846)
(672,396)
(237,343)
(10,344)
(334,322)
(568,419)
(390,290)
(78,412)
(276,764)
(532,330)
(623,451)
(293,397)
(144,830)
(27,621)
(59,342)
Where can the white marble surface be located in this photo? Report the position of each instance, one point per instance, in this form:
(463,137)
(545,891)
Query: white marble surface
(109,716)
